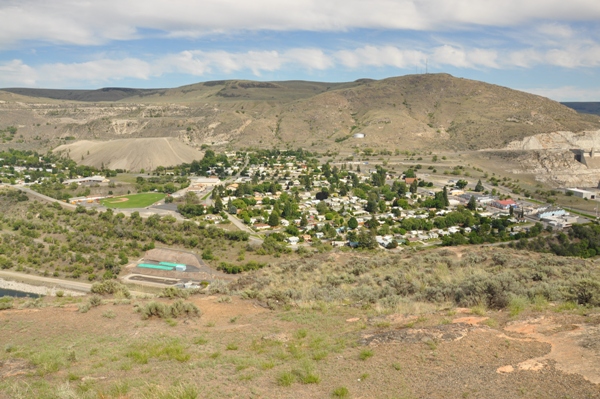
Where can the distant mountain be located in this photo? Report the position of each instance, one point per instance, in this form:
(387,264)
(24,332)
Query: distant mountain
(105,94)
(413,112)
(584,107)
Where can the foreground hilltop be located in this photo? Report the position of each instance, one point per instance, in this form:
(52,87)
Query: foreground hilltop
(433,111)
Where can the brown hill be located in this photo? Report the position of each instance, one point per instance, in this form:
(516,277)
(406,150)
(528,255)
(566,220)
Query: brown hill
(131,154)
(433,111)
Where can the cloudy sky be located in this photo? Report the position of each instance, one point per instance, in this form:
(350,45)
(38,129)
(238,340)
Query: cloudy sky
(547,47)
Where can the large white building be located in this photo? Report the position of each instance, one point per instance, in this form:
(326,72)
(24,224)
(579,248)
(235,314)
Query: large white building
(582,193)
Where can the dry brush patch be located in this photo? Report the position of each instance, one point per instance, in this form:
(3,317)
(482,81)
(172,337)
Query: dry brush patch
(493,278)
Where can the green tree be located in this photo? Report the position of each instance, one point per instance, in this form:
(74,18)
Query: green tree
(371,206)
(472,205)
(273,219)
(218,206)
(413,186)
(352,223)
(366,240)
(461,184)
(400,188)
(479,186)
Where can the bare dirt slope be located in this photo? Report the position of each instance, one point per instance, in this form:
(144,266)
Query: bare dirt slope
(131,154)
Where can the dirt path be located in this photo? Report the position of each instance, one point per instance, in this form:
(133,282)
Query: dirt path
(52,282)
(71,285)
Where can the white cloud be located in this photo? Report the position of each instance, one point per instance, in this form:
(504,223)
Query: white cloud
(94,22)
(380,57)
(107,70)
(461,58)
(566,57)
(194,63)
(557,30)
(15,73)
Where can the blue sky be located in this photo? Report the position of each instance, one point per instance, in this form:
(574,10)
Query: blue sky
(547,47)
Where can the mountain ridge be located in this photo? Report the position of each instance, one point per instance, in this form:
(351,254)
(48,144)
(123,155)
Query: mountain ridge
(411,112)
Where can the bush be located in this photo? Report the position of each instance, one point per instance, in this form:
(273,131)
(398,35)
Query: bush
(157,309)
(231,268)
(95,300)
(162,311)
(6,303)
(110,287)
(174,292)
(586,292)
(341,392)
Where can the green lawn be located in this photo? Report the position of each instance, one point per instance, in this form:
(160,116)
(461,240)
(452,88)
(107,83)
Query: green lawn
(133,201)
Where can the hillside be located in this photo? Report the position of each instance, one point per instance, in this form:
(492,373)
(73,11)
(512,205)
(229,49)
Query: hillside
(104,94)
(131,154)
(414,112)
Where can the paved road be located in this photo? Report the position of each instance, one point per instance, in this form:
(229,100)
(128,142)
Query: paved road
(45,197)
(240,225)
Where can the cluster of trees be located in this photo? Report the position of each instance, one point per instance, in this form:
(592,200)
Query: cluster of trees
(231,268)
(64,168)
(211,162)
(87,243)
(580,240)
(496,230)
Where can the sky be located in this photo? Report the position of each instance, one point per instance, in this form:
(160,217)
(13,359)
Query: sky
(545,47)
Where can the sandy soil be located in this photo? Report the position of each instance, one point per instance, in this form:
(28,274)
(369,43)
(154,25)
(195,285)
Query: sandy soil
(131,154)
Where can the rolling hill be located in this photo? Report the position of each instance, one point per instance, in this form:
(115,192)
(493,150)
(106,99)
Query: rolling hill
(413,112)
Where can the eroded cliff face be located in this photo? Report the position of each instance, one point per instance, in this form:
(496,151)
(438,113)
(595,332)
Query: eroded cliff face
(585,140)
(554,158)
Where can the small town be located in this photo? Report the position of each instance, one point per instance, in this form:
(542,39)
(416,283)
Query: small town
(296,199)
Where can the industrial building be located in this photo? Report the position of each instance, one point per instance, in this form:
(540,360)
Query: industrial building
(582,193)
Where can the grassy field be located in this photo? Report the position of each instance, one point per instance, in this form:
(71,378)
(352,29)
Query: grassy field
(133,201)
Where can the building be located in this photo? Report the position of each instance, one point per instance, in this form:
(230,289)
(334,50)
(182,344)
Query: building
(582,193)
(561,221)
(505,204)
(551,212)
(481,199)
(88,180)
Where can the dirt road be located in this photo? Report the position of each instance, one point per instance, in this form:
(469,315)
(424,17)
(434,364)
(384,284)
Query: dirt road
(28,278)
